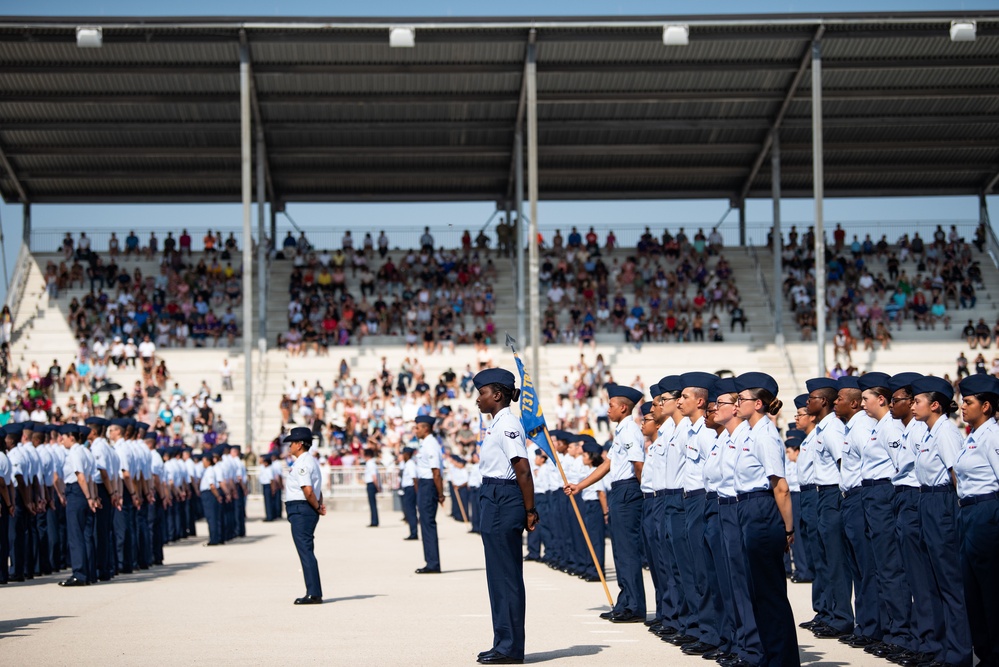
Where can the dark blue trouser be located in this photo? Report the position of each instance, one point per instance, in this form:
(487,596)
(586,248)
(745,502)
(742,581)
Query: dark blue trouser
(763,535)
(123,533)
(63,540)
(866,599)
(211,507)
(677,527)
(19,539)
(427,502)
(719,579)
(473,508)
(556,546)
(979,530)
(144,555)
(810,541)
(708,607)
(4,544)
(832,548)
(76,529)
(265,491)
(303,521)
(41,539)
(654,549)
(893,587)
(939,532)
(240,510)
(917,569)
(373,502)
(535,539)
(409,508)
(104,554)
(580,554)
(52,535)
(747,635)
(503,521)
(625,504)
(276,499)
(802,565)
(593,518)
(159,526)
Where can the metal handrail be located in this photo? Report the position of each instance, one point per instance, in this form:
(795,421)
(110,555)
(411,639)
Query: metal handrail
(15,291)
(778,340)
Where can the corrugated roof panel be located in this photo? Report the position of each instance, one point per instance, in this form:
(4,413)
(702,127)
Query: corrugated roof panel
(561,82)
(595,160)
(122,186)
(908,47)
(106,84)
(400,136)
(67,111)
(362,161)
(625,111)
(98,162)
(912,77)
(150,137)
(266,53)
(645,50)
(199,52)
(898,107)
(397,111)
(425,83)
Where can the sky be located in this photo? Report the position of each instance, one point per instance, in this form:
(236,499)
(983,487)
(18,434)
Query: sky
(853,213)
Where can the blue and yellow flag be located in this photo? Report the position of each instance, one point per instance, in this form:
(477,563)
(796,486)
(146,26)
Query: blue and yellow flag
(530,412)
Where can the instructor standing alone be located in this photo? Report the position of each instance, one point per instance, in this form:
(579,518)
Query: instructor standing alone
(507,506)
(304,502)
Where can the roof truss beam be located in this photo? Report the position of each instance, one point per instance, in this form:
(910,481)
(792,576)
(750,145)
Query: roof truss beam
(261,128)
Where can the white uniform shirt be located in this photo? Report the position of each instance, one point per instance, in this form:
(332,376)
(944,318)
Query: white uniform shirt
(207,478)
(806,459)
(857,434)
(474,475)
(913,434)
(77,461)
(305,472)
(654,470)
(429,457)
(265,475)
(877,462)
(729,457)
(370,471)
(711,473)
(628,449)
(6,470)
(676,455)
(408,472)
(503,441)
(697,445)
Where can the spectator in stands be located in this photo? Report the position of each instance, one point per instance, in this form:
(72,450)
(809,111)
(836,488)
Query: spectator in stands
(983,335)
(962,366)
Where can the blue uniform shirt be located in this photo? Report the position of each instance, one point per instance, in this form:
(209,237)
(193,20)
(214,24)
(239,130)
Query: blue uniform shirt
(676,455)
(654,470)
(698,444)
(729,455)
(937,453)
(977,467)
(877,462)
(829,438)
(858,433)
(429,457)
(305,472)
(760,457)
(905,456)
(806,459)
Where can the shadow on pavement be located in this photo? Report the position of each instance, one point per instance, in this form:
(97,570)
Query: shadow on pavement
(8,628)
(814,658)
(471,569)
(353,597)
(571,652)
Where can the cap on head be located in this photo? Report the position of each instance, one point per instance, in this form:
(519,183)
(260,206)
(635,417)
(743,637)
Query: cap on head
(979,384)
(297,434)
(848,382)
(821,383)
(621,391)
(756,380)
(902,380)
(646,408)
(698,379)
(671,384)
(874,380)
(425,419)
(929,384)
(800,401)
(499,376)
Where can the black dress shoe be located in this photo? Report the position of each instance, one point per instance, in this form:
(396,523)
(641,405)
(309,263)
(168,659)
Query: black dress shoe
(713,655)
(680,640)
(808,625)
(496,658)
(483,654)
(826,632)
(886,650)
(72,581)
(913,660)
(528,559)
(698,648)
(309,599)
(607,614)
(590,578)
(627,617)
(876,646)
(427,570)
(411,537)
(861,642)
(666,631)
(649,623)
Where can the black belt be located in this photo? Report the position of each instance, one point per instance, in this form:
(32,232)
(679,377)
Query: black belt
(743,497)
(727,501)
(809,487)
(850,492)
(901,488)
(974,500)
(696,493)
(875,482)
(653,494)
(624,481)
(712,495)
(826,487)
(940,488)
(497,480)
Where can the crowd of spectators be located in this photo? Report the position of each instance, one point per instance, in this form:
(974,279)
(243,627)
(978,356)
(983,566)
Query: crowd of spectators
(874,287)
(176,415)
(670,289)
(191,301)
(434,298)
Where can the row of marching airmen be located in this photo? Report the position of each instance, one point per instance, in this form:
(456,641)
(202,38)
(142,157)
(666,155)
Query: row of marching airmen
(101,499)
(890,512)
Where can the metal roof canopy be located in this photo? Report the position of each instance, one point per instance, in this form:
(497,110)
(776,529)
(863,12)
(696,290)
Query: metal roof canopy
(154,114)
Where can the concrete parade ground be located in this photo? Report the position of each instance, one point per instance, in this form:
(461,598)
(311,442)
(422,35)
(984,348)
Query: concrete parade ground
(233,605)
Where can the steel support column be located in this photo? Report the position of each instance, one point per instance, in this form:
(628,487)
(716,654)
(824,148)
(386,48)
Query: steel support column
(742,222)
(819,194)
(26,224)
(532,195)
(247,191)
(778,242)
(518,234)
(262,278)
